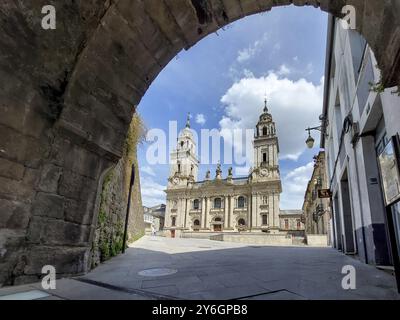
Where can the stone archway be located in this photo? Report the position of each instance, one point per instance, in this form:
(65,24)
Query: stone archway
(70,95)
(217,224)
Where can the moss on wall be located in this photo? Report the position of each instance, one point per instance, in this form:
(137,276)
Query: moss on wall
(108,239)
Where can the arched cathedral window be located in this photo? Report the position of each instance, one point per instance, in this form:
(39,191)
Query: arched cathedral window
(265,131)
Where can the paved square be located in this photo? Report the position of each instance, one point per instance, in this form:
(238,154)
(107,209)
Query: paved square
(219,270)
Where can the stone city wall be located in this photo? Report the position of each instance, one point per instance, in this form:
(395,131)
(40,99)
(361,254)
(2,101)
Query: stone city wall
(108,238)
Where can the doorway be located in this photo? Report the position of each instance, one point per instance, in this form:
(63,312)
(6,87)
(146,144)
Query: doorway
(349,247)
(217,228)
(172,233)
(337,224)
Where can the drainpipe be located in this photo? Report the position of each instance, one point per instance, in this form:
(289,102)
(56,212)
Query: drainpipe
(128,209)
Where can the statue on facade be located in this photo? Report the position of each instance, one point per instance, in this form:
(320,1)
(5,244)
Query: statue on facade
(230,172)
(208,175)
(218,171)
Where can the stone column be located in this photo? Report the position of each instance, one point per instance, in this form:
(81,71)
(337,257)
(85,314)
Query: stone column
(271,155)
(203,213)
(208,226)
(186,213)
(207,209)
(181,213)
(253,210)
(231,207)
(271,218)
(276,210)
(226,212)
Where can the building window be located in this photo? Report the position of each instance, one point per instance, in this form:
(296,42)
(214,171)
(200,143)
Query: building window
(265,157)
(217,203)
(265,131)
(286,224)
(242,223)
(179,167)
(298,224)
(196,204)
(173,222)
(265,220)
(241,202)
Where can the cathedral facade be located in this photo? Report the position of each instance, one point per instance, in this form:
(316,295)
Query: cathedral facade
(225,204)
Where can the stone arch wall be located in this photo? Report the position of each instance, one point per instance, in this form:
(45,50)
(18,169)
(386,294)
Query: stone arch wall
(70,95)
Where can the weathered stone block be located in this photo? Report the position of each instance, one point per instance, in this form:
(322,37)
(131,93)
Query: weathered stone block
(66,260)
(10,169)
(16,190)
(28,150)
(14,214)
(57,232)
(80,211)
(76,186)
(48,205)
(50,178)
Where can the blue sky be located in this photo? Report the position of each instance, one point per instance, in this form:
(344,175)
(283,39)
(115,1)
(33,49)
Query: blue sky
(222,81)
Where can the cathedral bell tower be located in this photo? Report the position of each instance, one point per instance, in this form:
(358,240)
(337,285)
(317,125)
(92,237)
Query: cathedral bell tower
(266,147)
(184,162)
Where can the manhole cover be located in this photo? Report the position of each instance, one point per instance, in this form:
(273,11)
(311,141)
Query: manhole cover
(157,272)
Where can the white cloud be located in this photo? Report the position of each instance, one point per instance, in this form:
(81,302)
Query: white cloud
(294,105)
(276,47)
(242,171)
(245,54)
(309,69)
(201,119)
(248,74)
(283,70)
(148,170)
(254,49)
(152,192)
(294,186)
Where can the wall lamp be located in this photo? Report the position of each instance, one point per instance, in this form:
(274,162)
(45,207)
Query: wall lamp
(321,128)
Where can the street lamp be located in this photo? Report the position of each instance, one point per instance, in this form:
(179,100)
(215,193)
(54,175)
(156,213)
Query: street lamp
(310,140)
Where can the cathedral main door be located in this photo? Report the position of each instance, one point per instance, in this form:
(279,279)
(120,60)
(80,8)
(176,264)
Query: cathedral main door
(217,228)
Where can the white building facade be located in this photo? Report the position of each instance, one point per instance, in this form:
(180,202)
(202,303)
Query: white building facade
(227,204)
(361,121)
